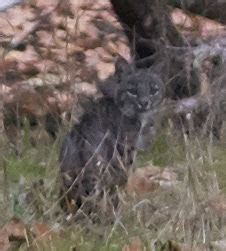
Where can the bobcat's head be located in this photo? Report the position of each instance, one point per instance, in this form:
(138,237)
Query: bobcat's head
(134,91)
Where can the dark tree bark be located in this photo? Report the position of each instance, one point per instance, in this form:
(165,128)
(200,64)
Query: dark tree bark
(157,44)
(147,25)
(151,32)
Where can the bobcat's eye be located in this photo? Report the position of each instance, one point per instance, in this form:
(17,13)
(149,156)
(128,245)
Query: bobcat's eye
(132,94)
(139,106)
(154,90)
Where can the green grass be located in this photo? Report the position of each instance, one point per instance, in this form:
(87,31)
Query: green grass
(219,165)
(165,151)
(32,163)
(26,167)
(114,238)
(153,218)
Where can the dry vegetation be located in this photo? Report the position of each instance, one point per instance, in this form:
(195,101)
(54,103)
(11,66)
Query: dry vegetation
(52,55)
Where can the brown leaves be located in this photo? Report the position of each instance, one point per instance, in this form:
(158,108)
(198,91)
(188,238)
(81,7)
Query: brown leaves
(149,178)
(25,101)
(143,180)
(14,231)
(41,230)
(135,245)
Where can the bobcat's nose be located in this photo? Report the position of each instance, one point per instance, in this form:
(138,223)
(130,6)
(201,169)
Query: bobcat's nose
(145,103)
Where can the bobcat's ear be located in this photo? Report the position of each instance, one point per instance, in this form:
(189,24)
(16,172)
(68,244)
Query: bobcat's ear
(109,88)
(122,67)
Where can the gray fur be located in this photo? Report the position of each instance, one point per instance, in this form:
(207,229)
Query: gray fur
(96,154)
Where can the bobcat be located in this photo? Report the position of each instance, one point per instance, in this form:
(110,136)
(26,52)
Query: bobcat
(97,153)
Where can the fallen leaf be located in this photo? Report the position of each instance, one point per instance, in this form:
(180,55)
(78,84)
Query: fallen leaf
(142,180)
(4,240)
(41,230)
(14,231)
(135,245)
(149,178)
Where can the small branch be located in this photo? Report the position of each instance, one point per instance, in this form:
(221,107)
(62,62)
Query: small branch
(189,104)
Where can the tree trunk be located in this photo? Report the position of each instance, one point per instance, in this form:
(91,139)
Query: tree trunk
(147,26)
(151,33)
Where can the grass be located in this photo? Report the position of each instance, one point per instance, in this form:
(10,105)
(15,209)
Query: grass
(179,214)
(77,239)
(25,166)
(165,151)
(219,165)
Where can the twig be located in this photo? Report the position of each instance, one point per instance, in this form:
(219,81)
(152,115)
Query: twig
(187,105)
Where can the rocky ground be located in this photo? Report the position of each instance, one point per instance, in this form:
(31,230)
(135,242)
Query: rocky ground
(51,52)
